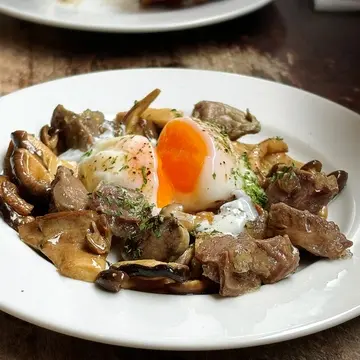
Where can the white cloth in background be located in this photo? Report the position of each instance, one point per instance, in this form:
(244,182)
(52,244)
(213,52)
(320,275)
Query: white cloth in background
(337,5)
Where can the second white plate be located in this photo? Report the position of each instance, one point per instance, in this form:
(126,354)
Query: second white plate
(126,15)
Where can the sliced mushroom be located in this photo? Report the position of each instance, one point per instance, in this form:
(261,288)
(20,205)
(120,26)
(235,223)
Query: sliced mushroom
(160,117)
(98,243)
(313,165)
(341,178)
(203,286)
(176,210)
(31,173)
(186,257)
(10,194)
(133,121)
(153,269)
(160,238)
(112,280)
(14,209)
(24,140)
(7,160)
(11,217)
(189,221)
(50,137)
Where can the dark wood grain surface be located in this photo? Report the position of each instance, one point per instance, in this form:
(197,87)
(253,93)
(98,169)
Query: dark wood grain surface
(284,42)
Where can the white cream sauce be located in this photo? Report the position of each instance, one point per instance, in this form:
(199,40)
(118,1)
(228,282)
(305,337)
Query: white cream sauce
(232,216)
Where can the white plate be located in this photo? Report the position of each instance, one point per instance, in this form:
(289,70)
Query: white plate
(125,15)
(320,296)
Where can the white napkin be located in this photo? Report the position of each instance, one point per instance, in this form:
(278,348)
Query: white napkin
(337,5)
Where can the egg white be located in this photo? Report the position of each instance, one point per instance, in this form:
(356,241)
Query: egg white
(221,172)
(128,161)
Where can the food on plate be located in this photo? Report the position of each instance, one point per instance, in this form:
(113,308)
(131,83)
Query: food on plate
(182,202)
(171,2)
(147,3)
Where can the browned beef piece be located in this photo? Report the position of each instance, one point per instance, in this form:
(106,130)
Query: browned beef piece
(68,192)
(310,232)
(143,236)
(240,264)
(303,190)
(76,131)
(234,122)
(122,203)
(258,228)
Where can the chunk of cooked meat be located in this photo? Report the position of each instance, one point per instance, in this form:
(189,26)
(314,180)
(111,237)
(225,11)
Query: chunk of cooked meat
(160,238)
(303,190)
(234,122)
(308,231)
(129,215)
(68,192)
(258,227)
(240,264)
(61,237)
(122,203)
(76,131)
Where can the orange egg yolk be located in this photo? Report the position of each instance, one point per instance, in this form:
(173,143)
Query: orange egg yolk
(181,152)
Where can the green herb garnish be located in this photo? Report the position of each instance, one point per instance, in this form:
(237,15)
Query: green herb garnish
(87,154)
(144,175)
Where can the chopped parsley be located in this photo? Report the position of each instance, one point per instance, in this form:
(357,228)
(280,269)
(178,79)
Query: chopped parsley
(245,159)
(279,138)
(252,188)
(249,182)
(87,154)
(176,113)
(124,167)
(144,175)
(280,173)
(153,224)
(132,250)
(214,176)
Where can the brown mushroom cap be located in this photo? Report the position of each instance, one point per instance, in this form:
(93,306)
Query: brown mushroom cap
(13,208)
(31,173)
(112,280)
(341,178)
(134,123)
(24,140)
(50,138)
(199,286)
(153,269)
(10,194)
(98,243)
(7,160)
(313,165)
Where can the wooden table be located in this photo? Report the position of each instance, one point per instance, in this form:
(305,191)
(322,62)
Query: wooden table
(284,42)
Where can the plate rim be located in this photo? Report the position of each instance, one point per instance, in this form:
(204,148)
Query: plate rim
(231,343)
(192,24)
